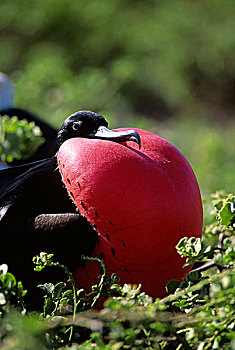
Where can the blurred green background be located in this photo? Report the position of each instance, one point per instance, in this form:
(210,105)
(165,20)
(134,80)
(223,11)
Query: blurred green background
(166,66)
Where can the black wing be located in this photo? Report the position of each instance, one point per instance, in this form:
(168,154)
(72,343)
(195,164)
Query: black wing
(13,180)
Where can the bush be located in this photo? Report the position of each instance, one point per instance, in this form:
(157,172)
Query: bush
(199,312)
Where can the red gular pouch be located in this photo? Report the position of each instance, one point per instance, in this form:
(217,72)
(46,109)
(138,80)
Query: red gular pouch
(140,202)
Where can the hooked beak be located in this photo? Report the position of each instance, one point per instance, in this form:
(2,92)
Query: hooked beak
(104,133)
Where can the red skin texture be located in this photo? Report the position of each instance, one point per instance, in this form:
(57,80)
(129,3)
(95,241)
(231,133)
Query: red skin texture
(141,203)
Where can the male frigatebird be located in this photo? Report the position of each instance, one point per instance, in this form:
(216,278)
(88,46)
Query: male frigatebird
(141,202)
(36,213)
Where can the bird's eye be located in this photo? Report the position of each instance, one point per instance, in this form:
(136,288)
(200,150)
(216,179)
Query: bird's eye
(76,126)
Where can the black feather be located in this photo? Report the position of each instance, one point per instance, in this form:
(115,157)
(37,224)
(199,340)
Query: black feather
(13,180)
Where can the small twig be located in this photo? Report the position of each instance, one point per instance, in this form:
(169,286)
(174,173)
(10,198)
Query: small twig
(103,278)
(211,264)
(69,274)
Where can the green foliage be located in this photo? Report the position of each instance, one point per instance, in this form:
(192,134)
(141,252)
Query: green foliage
(175,51)
(59,300)
(19,139)
(193,249)
(226,211)
(24,332)
(199,312)
(81,298)
(11,292)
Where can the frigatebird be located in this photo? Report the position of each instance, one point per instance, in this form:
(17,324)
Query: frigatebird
(37,215)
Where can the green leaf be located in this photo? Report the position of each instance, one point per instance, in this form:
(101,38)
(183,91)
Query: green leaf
(194,276)
(66,293)
(218,205)
(10,280)
(57,289)
(39,268)
(47,287)
(189,247)
(172,286)
(49,307)
(63,300)
(227,212)
(21,292)
(181,304)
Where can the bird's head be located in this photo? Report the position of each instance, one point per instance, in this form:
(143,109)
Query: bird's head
(92,125)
